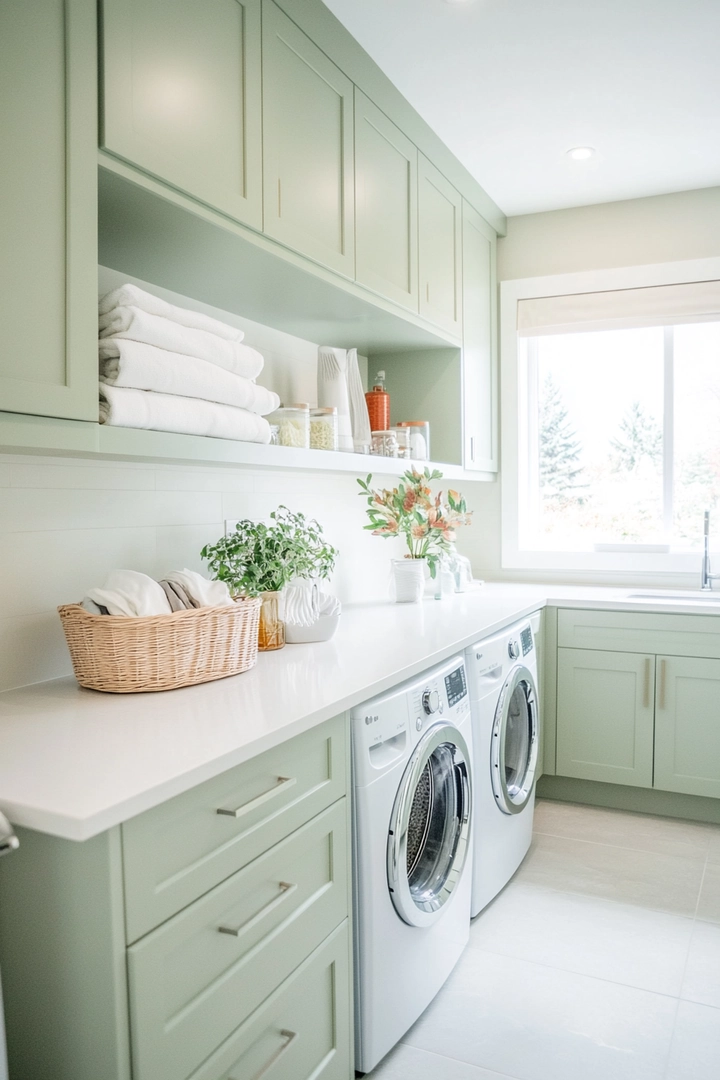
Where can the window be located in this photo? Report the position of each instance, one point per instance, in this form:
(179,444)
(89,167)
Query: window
(611,422)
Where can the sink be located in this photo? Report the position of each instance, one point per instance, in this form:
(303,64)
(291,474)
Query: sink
(674,596)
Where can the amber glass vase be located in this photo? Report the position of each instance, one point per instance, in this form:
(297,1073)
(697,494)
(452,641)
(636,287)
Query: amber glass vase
(271,631)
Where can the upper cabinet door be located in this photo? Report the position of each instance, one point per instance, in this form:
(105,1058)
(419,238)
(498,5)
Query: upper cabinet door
(48,208)
(182,97)
(385,206)
(479,343)
(687,725)
(307,146)
(440,216)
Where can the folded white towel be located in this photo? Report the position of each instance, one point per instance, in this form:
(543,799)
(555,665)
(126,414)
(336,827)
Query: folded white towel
(138,325)
(126,592)
(145,367)
(205,593)
(131,296)
(122,407)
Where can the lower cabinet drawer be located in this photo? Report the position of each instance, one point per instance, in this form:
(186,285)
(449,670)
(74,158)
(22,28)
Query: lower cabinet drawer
(195,979)
(181,849)
(303,1031)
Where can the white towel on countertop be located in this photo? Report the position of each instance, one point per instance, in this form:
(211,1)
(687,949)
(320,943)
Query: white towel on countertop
(122,407)
(202,592)
(145,367)
(131,296)
(138,325)
(127,592)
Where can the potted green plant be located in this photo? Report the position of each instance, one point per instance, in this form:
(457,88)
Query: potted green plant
(426,522)
(256,559)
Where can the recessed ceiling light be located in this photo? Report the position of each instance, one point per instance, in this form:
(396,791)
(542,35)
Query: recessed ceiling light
(580,153)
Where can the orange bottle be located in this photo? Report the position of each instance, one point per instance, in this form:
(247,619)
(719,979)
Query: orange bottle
(378,403)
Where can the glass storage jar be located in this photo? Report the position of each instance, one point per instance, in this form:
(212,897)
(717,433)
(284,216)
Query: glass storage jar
(384,444)
(293,424)
(324,429)
(402,435)
(419,438)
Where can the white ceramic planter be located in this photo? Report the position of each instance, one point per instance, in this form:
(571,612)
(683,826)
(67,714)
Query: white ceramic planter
(409,575)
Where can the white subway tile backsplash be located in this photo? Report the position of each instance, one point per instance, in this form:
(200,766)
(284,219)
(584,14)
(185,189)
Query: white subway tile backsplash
(81,477)
(40,570)
(32,649)
(48,509)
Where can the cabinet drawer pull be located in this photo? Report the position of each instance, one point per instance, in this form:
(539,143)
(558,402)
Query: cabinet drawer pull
(283,783)
(286,889)
(663,683)
(646,684)
(289,1037)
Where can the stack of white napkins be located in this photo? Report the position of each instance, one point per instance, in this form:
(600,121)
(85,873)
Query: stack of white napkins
(172,369)
(127,592)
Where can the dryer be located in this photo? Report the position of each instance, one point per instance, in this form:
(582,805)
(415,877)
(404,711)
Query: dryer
(412,810)
(502,677)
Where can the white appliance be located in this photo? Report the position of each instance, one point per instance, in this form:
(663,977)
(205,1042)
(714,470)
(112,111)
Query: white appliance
(502,678)
(411,829)
(8,843)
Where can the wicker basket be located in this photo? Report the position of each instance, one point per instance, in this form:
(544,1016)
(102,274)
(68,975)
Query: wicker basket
(161,652)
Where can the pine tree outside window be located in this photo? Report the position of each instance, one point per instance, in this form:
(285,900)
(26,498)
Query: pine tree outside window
(611,431)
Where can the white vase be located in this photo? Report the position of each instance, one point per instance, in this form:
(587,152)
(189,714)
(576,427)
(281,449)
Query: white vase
(409,575)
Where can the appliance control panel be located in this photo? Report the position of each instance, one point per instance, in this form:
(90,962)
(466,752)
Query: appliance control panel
(439,696)
(513,648)
(526,640)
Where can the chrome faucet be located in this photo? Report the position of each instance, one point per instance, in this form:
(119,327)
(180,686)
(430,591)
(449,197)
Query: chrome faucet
(706,578)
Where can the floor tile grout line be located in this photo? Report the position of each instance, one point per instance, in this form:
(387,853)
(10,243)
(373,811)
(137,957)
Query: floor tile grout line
(566,971)
(611,900)
(672,1038)
(619,847)
(702,882)
(462,1061)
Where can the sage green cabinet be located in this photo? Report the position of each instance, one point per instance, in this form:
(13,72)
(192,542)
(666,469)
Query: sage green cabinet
(605,716)
(687,725)
(385,206)
(48,208)
(440,248)
(182,97)
(308,174)
(250,974)
(479,307)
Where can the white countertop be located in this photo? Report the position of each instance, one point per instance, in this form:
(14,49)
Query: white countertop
(75,762)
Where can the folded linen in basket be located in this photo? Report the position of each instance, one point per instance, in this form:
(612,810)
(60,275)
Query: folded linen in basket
(146,367)
(127,592)
(177,597)
(200,591)
(132,296)
(122,407)
(138,325)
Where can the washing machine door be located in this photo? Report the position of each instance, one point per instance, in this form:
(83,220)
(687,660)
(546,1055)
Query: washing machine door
(514,743)
(429,827)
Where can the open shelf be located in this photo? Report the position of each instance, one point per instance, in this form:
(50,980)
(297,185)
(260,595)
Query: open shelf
(42,435)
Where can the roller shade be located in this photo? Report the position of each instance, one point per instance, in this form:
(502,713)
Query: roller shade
(658,305)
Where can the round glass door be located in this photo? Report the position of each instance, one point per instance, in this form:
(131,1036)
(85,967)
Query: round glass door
(430,826)
(515,742)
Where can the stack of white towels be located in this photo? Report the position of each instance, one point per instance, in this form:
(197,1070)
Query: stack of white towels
(171,369)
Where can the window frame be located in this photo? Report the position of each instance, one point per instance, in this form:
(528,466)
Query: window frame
(514,405)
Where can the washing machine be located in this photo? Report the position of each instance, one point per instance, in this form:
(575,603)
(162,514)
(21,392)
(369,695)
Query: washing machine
(412,814)
(502,677)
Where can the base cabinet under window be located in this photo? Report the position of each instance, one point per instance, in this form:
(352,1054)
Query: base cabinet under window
(605,716)
(631,708)
(687,725)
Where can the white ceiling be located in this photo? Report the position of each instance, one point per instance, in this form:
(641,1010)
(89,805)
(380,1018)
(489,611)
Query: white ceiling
(510,85)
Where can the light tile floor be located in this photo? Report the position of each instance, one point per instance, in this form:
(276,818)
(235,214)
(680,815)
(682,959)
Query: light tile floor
(599,961)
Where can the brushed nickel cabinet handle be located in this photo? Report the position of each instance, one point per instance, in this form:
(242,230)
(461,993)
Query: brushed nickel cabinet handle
(283,783)
(646,683)
(663,684)
(289,1037)
(286,890)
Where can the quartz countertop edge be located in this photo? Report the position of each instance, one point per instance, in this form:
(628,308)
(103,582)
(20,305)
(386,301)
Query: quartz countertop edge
(76,762)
